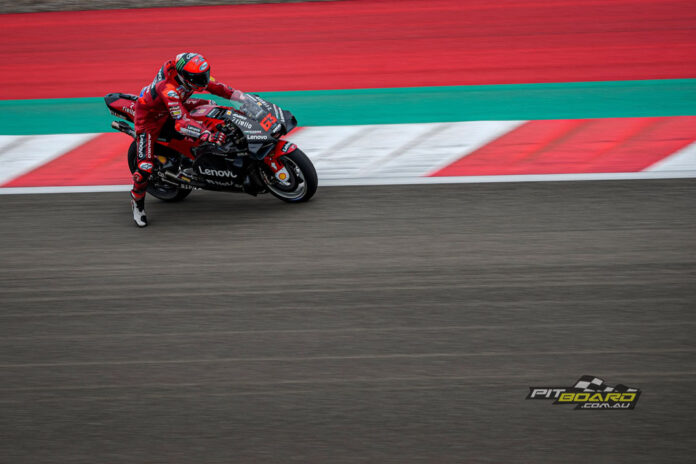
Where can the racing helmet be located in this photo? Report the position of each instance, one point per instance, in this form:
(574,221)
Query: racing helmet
(193,70)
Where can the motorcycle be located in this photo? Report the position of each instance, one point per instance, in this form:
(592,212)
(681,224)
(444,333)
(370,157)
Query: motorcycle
(254,159)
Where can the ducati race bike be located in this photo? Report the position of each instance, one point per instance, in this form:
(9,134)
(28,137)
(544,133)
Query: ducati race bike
(253,160)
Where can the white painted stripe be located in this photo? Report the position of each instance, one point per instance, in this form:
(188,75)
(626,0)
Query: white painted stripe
(394,150)
(356,181)
(26,153)
(682,160)
(441,148)
(8,140)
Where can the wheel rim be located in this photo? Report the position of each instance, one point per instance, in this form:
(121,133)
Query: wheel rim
(294,189)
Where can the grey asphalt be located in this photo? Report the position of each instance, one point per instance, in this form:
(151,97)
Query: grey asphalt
(373,324)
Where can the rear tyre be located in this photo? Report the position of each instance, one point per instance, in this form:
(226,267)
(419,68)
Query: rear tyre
(155,187)
(302,184)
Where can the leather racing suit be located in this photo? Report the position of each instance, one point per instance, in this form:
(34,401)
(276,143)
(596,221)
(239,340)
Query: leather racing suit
(167,98)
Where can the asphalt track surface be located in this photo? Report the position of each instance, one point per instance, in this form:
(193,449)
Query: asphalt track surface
(373,324)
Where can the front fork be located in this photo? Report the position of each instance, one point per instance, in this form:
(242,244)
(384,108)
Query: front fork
(273,162)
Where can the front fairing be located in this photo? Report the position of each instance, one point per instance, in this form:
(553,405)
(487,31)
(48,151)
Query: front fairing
(259,123)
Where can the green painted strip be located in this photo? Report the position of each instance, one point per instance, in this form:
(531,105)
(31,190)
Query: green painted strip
(576,100)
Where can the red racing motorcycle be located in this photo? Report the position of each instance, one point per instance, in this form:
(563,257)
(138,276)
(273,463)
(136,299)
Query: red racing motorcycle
(254,159)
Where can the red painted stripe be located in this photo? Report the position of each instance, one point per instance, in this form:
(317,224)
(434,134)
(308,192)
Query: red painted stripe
(101,161)
(351,44)
(578,146)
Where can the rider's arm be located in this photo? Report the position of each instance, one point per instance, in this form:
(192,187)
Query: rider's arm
(224,91)
(183,123)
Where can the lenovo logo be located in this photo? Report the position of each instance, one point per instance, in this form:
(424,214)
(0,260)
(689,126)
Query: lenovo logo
(216,173)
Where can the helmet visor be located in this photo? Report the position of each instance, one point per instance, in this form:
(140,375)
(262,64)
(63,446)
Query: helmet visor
(198,80)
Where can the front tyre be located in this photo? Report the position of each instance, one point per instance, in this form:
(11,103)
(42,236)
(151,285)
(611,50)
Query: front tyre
(155,187)
(302,184)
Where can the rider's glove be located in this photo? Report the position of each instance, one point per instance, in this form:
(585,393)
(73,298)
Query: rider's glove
(217,138)
(237,96)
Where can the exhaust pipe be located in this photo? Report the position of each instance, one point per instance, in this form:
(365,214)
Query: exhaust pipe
(173,179)
(123,127)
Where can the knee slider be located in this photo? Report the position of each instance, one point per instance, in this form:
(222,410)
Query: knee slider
(145,166)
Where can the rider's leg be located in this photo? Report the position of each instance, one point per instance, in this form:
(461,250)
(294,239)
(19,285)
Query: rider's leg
(144,165)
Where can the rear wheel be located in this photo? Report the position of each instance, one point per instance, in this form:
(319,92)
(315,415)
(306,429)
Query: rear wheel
(155,186)
(302,182)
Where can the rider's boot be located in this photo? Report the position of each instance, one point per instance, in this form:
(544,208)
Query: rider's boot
(139,215)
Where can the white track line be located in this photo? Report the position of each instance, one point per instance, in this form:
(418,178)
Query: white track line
(71,189)
(645,175)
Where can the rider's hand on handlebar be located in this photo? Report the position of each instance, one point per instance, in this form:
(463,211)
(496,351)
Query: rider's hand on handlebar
(238,96)
(218,138)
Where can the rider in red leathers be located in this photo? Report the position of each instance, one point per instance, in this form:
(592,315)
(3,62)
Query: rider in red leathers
(169,97)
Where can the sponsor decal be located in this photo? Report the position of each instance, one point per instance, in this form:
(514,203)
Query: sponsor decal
(589,392)
(216,173)
(243,123)
(147,167)
(142,142)
(288,147)
(204,66)
(282,174)
(220,183)
(192,131)
(175,110)
(257,137)
(183,59)
(173,94)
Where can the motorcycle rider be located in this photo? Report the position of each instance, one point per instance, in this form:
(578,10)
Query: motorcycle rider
(168,96)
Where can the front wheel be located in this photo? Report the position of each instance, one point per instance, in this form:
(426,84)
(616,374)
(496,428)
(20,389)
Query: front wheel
(155,187)
(302,183)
